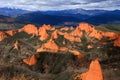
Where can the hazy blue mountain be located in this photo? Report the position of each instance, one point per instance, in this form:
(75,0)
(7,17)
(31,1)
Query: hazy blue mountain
(63,17)
(76,11)
(42,18)
(105,18)
(12,12)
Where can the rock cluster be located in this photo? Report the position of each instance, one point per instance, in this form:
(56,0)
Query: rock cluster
(94,72)
(2,35)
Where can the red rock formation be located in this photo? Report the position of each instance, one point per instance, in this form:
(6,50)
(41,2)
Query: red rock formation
(30,61)
(117,42)
(63,49)
(65,29)
(16,45)
(96,34)
(86,27)
(11,32)
(108,34)
(50,46)
(55,34)
(94,72)
(30,29)
(46,27)
(72,38)
(116,36)
(76,53)
(43,33)
(2,35)
(76,32)
(89,46)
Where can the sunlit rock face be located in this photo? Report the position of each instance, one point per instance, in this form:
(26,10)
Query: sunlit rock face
(63,49)
(72,38)
(89,46)
(65,29)
(117,41)
(77,53)
(47,27)
(43,33)
(30,61)
(29,29)
(94,72)
(96,34)
(85,27)
(77,32)
(16,45)
(2,35)
(50,46)
(11,32)
(55,34)
(108,34)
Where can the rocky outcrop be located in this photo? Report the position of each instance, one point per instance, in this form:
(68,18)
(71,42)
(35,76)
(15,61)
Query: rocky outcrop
(77,32)
(89,46)
(72,38)
(63,49)
(85,27)
(94,72)
(76,53)
(11,32)
(55,34)
(96,34)
(50,46)
(16,45)
(65,29)
(29,29)
(46,27)
(108,34)
(117,42)
(30,61)
(43,33)
(2,35)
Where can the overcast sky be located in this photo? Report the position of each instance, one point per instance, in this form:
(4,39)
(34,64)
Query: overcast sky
(61,4)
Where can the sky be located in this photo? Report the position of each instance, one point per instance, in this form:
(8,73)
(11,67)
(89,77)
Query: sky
(44,5)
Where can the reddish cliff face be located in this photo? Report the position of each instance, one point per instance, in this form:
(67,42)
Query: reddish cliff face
(47,27)
(108,34)
(117,42)
(94,72)
(65,29)
(72,38)
(55,34)
(96,34)
(11,32)
(30,29)
(2,35)
(50,46)
(77,53)
(63,49)
(86,27)
(30,61)
(115,36)
(77,32)
(89,46)
(16,45)
(43,33)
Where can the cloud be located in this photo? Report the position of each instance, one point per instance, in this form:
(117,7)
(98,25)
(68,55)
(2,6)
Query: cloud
(60,4)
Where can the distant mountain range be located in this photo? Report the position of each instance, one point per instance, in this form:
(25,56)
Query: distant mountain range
(63,17)
(12,12)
